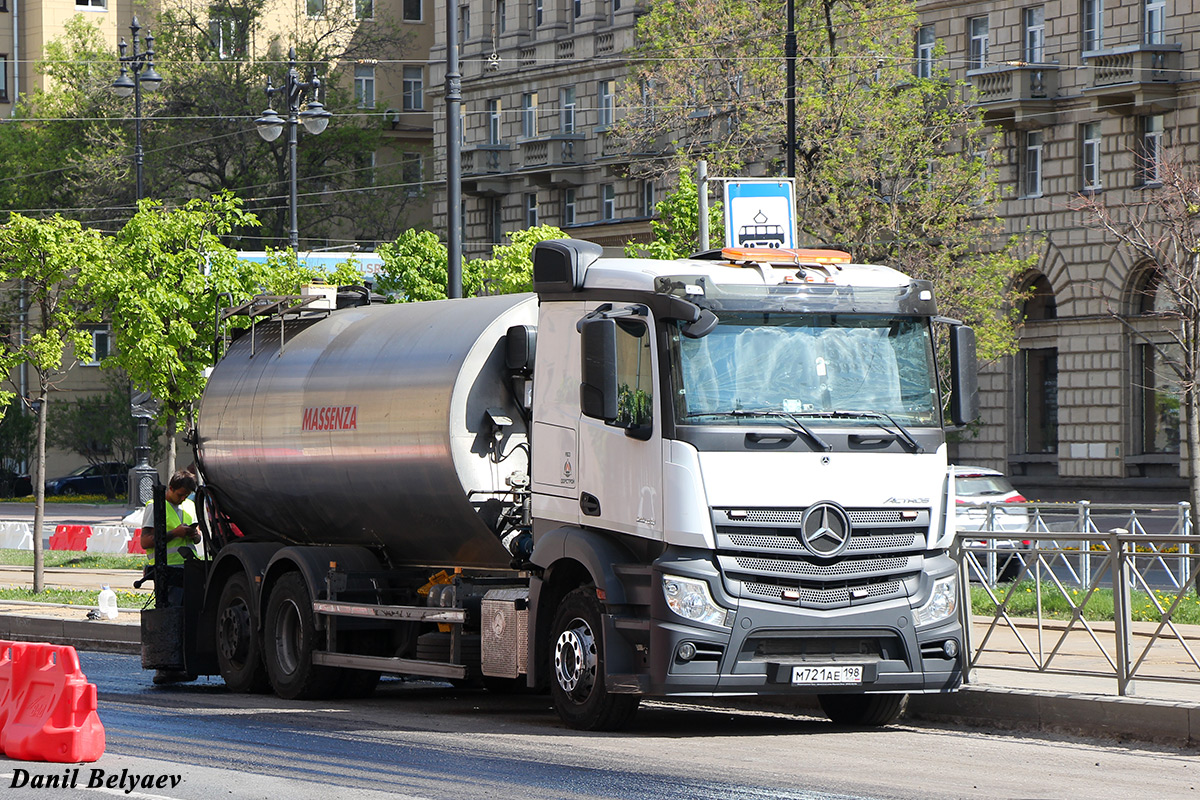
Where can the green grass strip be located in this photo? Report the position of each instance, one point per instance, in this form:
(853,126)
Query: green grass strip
(76,597)
(72,558)
(1099,608)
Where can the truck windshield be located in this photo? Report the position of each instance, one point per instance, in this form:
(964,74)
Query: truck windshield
(828,369)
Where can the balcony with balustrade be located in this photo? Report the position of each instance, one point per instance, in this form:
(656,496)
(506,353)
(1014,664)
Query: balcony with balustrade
(1017,94)
(554,160)
(1136,79)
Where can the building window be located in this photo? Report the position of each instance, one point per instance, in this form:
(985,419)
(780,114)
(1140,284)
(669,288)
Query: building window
(1092,25)
(606,103)
(1156,398)
(464,23)
(414,88)
(412,11)
(538,12)
(1156,11)
(314,8)
(4,97)
(531,210)
(227,37)
(1035,35)
(977,54)
(502,15)
(1090,156)
(529,107)
(648,198)
(493,111)
(100,342)
(1033,164)
(91,5)
(568,213)
(364,9)
(1041,400)
(364,86)
(1150,153)
(412,172)
(566,116)
(578,8)
(495,219)
(608,202)
(925,46)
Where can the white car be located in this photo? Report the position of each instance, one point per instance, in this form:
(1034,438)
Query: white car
(976,487)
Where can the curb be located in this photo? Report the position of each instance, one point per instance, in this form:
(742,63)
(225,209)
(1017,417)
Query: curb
(83,634)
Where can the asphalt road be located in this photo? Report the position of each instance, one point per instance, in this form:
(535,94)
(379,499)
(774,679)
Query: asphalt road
(431,741)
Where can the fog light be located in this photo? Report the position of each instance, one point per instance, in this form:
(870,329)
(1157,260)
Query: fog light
(687,651)
(950,648)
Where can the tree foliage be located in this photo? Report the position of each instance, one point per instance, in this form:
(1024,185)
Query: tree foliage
(415,265)
(891,167)
(168,275)
(75,149)
(676,229)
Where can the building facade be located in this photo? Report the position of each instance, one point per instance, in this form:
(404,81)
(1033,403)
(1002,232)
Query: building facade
(540,83)
(1087,98)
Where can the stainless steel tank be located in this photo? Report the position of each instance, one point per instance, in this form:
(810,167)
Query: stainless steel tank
(370,428)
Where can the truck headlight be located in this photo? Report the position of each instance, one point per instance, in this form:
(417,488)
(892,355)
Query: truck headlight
(942,603)
(691,600)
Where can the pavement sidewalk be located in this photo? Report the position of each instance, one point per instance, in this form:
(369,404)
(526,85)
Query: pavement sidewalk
(1007,688)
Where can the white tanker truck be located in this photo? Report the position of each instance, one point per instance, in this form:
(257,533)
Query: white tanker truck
(723,475)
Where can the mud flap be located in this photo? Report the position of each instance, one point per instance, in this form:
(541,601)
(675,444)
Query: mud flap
(162,638)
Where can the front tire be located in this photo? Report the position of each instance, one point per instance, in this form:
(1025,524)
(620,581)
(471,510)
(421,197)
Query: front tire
(239,646)
(863,710)
(577,668)
(290,637)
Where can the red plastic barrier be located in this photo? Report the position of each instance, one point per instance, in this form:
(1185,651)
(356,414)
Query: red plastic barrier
(53,716)
(14,669)
(70,537)
(135,544)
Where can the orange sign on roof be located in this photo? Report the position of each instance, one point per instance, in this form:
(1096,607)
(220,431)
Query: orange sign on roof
(788,256)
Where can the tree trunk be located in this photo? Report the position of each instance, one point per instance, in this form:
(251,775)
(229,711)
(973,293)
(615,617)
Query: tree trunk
(39,494)
(1192,409)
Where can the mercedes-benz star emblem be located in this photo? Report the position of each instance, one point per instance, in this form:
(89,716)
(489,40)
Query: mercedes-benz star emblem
(825,529)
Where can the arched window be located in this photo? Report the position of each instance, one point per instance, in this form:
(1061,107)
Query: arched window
(1154,382)
(1037,375)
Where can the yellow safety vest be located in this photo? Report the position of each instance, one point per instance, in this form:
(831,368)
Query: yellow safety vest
(175,547)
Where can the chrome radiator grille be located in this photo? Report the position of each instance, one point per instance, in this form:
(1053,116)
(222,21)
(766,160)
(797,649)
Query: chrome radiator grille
(762,556)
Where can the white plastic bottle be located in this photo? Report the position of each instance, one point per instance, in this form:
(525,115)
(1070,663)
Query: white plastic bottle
(108,603)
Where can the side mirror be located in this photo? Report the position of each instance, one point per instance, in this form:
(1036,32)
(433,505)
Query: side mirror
(964,376)
(598,369)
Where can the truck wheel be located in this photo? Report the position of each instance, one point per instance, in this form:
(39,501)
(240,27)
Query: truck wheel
(289,641)
(863,710)
(239,648)
(577,664)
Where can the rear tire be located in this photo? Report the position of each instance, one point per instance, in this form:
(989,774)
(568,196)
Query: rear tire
(577,668)
(239,642)
(289,639)
(863,710)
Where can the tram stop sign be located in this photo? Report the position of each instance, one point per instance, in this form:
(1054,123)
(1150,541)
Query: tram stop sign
(760,212)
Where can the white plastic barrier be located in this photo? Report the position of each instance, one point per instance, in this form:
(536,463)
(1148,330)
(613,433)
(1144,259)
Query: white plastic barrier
(16,535)
(109,539)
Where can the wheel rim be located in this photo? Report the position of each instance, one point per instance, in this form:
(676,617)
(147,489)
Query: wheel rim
(287,637)
(234,633)
(575,659)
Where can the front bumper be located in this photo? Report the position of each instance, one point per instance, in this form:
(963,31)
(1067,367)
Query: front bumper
(761,644)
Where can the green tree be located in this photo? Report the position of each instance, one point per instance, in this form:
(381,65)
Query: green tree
(677,230)
(169,272)
(891,167)
(415,265)
(284,273)
(74,149)
(48,259)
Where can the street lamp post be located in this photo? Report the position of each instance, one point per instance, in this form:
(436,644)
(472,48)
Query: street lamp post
(295,92)
(141,64)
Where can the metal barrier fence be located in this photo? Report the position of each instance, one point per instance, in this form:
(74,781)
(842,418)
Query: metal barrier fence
(1055,559)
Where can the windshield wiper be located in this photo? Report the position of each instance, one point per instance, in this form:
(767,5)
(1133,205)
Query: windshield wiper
(794,424)
(896,428)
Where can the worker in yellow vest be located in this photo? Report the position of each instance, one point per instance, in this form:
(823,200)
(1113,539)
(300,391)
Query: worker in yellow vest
(183,534)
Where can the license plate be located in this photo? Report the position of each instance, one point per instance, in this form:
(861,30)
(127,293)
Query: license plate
(842,675)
